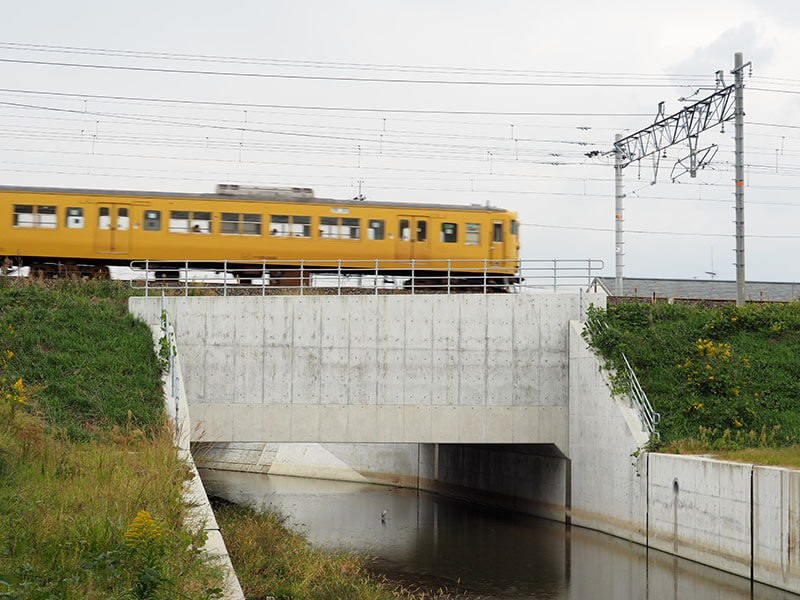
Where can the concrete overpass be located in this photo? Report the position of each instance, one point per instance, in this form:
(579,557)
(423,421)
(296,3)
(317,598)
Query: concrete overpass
(464,368)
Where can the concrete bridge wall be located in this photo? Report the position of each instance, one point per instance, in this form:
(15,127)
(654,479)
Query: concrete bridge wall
(360,369)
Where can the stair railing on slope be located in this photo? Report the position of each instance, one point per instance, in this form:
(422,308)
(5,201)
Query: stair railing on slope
(650,418)
(638,399)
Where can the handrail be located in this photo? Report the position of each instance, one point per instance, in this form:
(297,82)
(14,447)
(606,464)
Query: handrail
(414,275)
(636,394)
(650,418)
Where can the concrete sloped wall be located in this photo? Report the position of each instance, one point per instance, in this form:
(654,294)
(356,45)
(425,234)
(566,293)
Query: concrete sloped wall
(608,475)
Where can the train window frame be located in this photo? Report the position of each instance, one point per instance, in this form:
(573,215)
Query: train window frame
(472,237)
(404,230)
(497,232)
(339,228)
(514,229)
(46,210)
(178,221)
(228,225)
(251,224)
(104,212)
(376,229)
(200,222)
(422,230)
(279,226)
(73,217)
(300,226)
(24,209)
(447,237)
(152,220)
(123,219)
(350,228)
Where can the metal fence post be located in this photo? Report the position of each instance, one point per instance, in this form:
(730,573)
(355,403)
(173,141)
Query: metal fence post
(449,260)
(376,276)
(301,276)
(412,276)
(263,277)
(484,275)
(146,278)
(339,278)
(225,278)
(186,279)
(555,271)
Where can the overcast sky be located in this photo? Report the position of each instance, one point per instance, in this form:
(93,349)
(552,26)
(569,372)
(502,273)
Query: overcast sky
(589,70)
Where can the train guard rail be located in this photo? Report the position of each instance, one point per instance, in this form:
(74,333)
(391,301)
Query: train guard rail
(363,276)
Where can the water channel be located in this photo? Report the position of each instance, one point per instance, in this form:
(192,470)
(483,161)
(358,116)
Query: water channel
(433,541)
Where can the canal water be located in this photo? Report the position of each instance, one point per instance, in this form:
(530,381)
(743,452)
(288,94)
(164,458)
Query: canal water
(431,541)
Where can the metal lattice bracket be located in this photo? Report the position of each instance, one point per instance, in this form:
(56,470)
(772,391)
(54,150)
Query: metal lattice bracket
(683,126)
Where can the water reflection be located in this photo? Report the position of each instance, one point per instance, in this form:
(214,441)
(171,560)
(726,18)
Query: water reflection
(494,554)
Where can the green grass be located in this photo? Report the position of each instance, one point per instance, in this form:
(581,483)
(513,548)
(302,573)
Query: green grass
(723,378)
(84,449)
(89,361)
(272,560)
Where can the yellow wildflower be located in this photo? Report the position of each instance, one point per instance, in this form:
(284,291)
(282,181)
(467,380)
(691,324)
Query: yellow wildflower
(142,531)
(8,353)
(737,422)
(18,385)
(733,318)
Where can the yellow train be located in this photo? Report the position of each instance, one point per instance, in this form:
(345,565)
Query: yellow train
(81,231)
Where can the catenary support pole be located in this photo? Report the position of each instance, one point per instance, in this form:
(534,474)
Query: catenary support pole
(618,196)
(738,72)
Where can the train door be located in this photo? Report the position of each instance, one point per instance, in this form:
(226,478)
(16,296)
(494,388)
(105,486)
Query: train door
(413,239)
(497,249)
(113,229)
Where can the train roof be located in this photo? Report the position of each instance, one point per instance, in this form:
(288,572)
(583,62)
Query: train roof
(266,197)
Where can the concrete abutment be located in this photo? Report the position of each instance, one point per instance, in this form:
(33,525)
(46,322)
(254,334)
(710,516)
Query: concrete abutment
(495,399)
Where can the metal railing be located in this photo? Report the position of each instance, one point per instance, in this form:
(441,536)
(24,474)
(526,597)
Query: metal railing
(636,395)
(362,276)
(650,418)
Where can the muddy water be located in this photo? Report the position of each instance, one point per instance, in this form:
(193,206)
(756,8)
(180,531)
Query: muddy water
(425,539)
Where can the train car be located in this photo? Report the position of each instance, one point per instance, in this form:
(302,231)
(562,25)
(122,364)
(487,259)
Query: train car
(57,231)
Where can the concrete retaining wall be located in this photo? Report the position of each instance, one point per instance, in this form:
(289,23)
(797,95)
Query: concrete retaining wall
(428,368)
(608,474)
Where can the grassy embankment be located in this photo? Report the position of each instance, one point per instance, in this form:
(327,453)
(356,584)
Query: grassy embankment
(90,485)
(83,449)
(725,380)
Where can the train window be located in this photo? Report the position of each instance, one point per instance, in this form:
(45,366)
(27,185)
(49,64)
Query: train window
(179,221)
(251,224)
(335,228)
(152,220)
(514,228)
(301,226)
(405,231)
(279,225)
(104,218)
(351,229)
(449,233)
(329,228)
(229,223)
(201,222)
(375,229)
(123,221)
(422,231)
(23,215)
(473,234)
(74,218)
(497,232)
(46,217)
